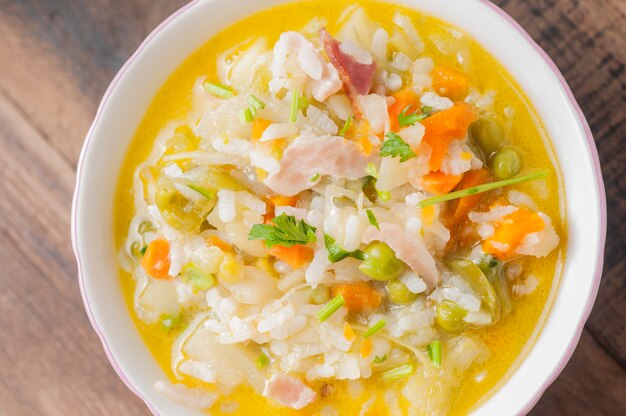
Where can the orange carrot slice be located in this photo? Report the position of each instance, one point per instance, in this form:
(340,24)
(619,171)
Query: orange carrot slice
(510,232)
(258,127)
(366,348)
(404,98)
(467,203)
(156,259)
(358,296)
(450,82)
(295,256)
(219,243)
(438,183)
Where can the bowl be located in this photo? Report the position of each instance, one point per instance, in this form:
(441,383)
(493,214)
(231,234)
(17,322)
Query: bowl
(132,90)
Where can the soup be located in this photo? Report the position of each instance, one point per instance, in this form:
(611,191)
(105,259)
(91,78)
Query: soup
(339,209)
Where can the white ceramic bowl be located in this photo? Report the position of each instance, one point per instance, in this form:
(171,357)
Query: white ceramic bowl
(130,93)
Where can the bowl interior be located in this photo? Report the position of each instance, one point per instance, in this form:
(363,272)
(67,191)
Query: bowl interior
(135,85)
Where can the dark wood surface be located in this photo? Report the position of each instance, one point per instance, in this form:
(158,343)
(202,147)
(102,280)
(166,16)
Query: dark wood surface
(56,60)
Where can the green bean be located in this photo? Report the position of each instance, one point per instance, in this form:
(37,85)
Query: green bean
(477,281)
(380,262)
(506,163)
(399,293)
(488,133)
(449,316)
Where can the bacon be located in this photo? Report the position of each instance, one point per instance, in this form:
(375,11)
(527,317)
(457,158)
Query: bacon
(356,77)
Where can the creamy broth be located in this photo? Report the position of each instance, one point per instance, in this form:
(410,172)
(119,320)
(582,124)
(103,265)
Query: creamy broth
(508,339)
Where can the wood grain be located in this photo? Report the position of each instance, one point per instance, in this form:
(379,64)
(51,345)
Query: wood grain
(57,58)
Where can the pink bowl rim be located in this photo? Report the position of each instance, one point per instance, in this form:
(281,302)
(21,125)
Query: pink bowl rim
(591,147)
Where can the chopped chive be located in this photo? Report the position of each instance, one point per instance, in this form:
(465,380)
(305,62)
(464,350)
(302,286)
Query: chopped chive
(374,328)
(380,360)
(384,195)
(434,352)
(255,102)
(295,98)
(143,250)
(303,102)
(372,218)
(427,110)
(218,90)
(245,116)
(262,361)
(346,126)
(315,177)
(371,170)
(207,193)
(331,307)
(482,188)
(398,372)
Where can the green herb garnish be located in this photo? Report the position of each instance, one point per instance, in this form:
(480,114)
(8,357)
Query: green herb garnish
(331,307)
(394,146)
(255,103)
(262,361)
(384,195)
(245,116)
(337,253)
(374,328)
(315,177)
(143,250)
(380,360)
(207,193)
(169,322)
(372,218)
(295,99)
(398,372)
(371,170)
(482,188)
(286,232)
(218,90)
(346,126)
(409,119)
(434,353)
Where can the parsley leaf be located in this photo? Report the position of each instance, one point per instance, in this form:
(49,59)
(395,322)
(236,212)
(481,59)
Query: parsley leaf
(286,232)
(372,218)
(379,360)
(409,119)
(394,146)
(336,253)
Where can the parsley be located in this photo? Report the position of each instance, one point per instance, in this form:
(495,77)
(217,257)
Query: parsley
(410,119)
(286,232)
(394,146)
(372,218)
(336,253)
(346,126)
(380,360)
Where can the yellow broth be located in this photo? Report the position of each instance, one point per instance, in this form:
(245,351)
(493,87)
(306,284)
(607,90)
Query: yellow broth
(509,338)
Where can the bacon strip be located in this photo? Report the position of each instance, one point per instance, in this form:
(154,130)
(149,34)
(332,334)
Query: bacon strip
(356,77)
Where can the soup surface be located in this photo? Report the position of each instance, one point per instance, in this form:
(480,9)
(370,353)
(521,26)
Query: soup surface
(292,237)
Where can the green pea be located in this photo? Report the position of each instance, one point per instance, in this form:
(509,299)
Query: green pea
(380,262)
(506,163)
(399,293)
(449,316)
(320,295)
(475,278)
(488,133)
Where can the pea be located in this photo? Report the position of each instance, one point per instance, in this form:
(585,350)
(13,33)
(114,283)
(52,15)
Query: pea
(380,262)
(488,133)
(449,316)
(475,278)
(399,293)
(506,163)
(320,295)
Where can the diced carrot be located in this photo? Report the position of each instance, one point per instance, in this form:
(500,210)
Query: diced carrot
(450,82)
(281,200)
(359,131)
(510,232)
(258,127)
(348,333)
(443,127)
(467,203)
(156,259)
(219,243)
(404,98)
(295,256)
(366,348)
(358,296)
(438,183)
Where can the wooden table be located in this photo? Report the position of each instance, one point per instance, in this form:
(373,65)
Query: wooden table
(56,59)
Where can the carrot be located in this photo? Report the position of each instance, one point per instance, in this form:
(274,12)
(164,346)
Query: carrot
(438,183)
(219,243)
(467,203)
(450,82)
(443,127)
(156,260)
(404,98)
(510,232)
(348,333)
(258,127)
(295,256)
(281,200)
(358,296)
(366,348)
